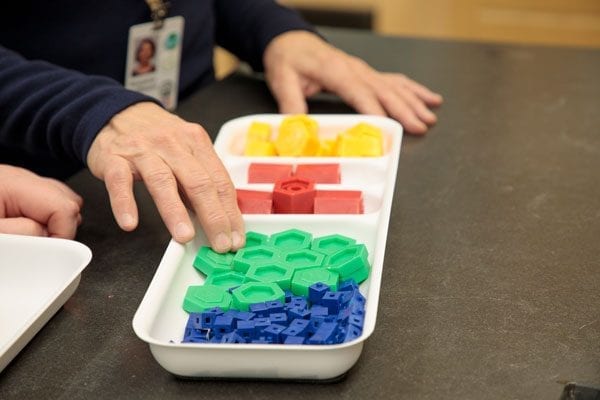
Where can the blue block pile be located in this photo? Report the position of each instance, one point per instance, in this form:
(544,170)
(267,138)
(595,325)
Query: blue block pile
(324,317)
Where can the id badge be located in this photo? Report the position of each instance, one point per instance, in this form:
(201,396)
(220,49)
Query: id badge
(153,60)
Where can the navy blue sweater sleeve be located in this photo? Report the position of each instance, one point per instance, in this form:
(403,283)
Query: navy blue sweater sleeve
(246,27)
(52,113)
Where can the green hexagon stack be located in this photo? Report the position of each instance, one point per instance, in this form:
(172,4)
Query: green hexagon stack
(292,239)
(351,262)
(256,255)
(267,266)
(331,244)
(256,292)
(303,259)
(255,239)
(304,278)
(226,279)
(275,272)
(201,298)
(208,261)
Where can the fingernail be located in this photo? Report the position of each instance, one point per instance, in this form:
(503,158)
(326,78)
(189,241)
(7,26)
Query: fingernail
(237,239)
(222,242)
(127,220)
(183,231)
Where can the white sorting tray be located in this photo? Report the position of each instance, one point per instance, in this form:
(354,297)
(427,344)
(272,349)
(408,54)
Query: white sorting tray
(37,276)
(160,319)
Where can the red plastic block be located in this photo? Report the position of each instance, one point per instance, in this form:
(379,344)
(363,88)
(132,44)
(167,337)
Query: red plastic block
(254,201)
(268,173)
(338,202)
(320,173)
(294,196)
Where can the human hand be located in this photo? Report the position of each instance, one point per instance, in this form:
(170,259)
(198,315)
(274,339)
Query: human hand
(171,156)
(299,64)
(37,206)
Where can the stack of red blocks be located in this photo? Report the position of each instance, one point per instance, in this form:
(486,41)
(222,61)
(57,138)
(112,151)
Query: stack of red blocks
(294,191)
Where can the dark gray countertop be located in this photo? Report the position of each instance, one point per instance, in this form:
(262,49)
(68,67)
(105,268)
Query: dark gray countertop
(492,271)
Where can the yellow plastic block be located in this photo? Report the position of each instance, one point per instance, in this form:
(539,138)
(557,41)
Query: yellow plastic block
(259,131)
(297,136)
(362,140)
(259,148)
(326,148)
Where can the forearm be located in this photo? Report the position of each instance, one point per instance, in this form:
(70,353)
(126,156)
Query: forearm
(247,27)
(52,113)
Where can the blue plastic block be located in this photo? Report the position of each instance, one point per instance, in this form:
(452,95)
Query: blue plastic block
(232,337)
(194,321)
(261,340)
(349,285)
(358,298)
(188,331)
(332,300)
(346,298)
(196,333)
(273,332)
(352,333)
(340,334)
(193,332)
(298,327)
(318,310)
(246,329)
(223,324)
(300,323)
(316,322)
(325,334)
(280,318)
(260,324)
(208,317)
(274,306)
(244,316)
(356,320)
(294,340)
(316,291)
(357,308)
(216,339)
(343,317)
(297,302)
(302,313)
(288,296)
(231,313)
(260,309)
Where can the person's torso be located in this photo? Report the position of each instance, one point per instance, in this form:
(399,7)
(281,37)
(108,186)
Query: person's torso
(91,36)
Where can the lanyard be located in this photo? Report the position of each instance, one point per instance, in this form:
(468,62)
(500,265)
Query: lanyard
(159,11)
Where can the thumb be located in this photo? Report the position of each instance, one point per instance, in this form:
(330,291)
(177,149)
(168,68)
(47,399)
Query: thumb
(286,87)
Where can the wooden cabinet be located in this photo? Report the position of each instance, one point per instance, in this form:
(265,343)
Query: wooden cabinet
(561,22)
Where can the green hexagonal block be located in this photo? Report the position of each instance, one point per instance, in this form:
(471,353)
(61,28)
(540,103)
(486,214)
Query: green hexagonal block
(208,261)
(255,255)
(201,298)
(275,272)
(305,278)
(303,258)
(331,244)
(227,279)
(292,239)
(256,292)
(255,239)
(350,263)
